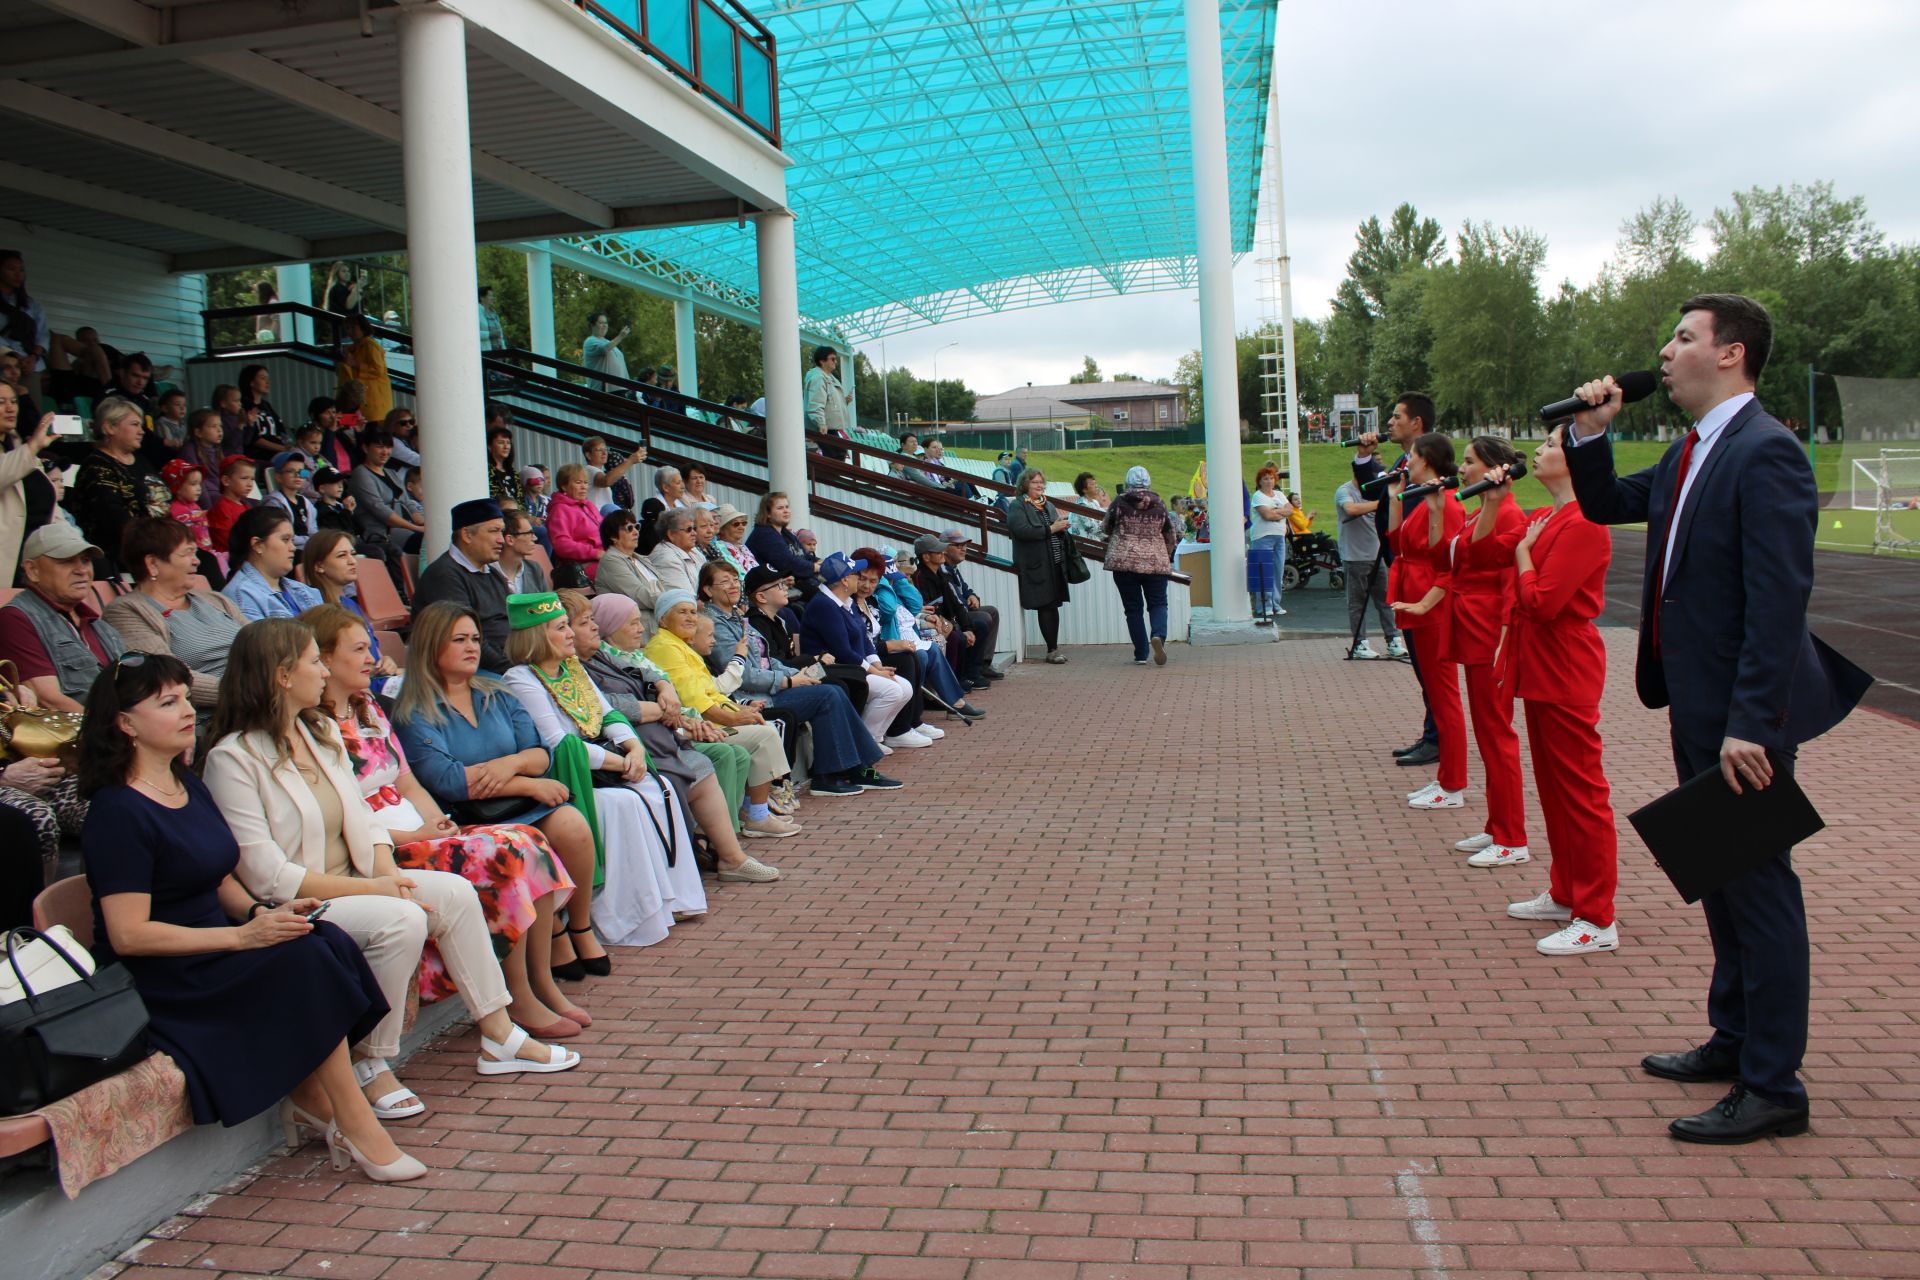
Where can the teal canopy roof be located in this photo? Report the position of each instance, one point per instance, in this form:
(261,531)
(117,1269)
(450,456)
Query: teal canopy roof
(958,158)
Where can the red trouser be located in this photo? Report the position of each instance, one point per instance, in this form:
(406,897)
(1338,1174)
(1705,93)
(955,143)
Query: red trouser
(1492,708)
(1577,803)
(1441,680)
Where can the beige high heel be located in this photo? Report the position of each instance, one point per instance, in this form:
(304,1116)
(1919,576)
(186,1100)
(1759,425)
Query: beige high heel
(405,1169)
(293,1118)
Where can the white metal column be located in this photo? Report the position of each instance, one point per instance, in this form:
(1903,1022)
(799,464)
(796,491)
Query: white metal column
(540,303)
(686,350)
(437,168)
(1284,267)
(780,357)
(1219,367)
(293,281)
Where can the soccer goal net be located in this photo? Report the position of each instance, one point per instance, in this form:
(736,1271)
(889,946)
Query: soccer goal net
(1889,486)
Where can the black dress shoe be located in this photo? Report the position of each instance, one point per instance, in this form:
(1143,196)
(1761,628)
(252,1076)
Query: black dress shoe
(1425,753)
(1704,1063)
(1407,751)
(1742,1116)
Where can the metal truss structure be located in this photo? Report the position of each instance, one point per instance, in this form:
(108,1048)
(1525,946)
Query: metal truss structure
(956,158)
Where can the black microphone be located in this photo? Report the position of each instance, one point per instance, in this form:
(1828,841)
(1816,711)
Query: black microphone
(1350,444)
(1422,490)
(1514,472)
(1635,385)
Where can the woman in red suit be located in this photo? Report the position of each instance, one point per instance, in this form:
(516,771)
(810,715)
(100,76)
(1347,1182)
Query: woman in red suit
(1554,661)
(1419,587)
(1482,559)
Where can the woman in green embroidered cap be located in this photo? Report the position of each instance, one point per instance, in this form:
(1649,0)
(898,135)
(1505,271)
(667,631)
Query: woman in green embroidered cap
(647,852)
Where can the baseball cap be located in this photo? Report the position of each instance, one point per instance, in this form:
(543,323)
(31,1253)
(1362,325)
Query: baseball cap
(59,540)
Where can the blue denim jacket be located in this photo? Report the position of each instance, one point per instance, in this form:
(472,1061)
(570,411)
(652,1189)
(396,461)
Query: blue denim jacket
(248,588)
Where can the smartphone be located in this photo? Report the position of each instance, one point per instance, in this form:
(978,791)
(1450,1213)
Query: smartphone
(69,424)
(318,911)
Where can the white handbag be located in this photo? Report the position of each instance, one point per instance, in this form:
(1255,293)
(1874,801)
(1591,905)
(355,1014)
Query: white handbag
(42,966)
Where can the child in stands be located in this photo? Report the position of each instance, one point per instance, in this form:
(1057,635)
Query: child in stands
(335,512)
(236,495)
(187,482)
(170,422)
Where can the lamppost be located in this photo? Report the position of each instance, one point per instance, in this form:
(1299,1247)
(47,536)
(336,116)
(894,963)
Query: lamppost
(936,385)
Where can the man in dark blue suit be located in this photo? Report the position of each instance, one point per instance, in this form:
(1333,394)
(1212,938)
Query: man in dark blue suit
(1730,512)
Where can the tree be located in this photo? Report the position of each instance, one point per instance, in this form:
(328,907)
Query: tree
(1382,254)
(1402,337)
(1483,310)
(1089,372)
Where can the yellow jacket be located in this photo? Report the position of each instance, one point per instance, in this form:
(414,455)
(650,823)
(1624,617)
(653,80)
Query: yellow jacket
(687,670)
(366,361)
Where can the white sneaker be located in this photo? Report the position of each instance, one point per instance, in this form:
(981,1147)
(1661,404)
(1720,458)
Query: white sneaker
(1421,793)
(1540,908)
(1362,650)
(1473,844)
(1578,938)
(928,731)
(1500,855)
(910,740)
(885,750)
(1396,648)
(1441,799)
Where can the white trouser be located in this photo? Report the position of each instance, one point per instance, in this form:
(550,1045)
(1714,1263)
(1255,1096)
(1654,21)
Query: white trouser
(391,931)
(885,696)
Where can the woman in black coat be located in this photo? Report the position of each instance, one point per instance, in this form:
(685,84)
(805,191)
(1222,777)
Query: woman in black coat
(1039,536)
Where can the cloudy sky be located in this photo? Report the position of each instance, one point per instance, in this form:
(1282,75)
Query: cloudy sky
(1563,116)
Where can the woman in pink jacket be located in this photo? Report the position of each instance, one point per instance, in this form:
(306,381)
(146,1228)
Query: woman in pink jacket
(574,526)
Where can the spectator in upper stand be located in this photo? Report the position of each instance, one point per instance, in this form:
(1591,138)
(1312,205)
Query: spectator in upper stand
(78,366)
(166,613)
(170,423)
(675,557)
(909,446)
(400,425)
(503,476)
(365,361)
(522,574)
(493,336)
(468,576)
(23,324)
(773,542)
(133,381)
(19,469)
(51,631)
(233,420)
(1090,493)
(1018,466)
(268,326)
(623,570)
(289,471)
(827,400)
(236,498)
(573,526)
(608,485)
(671,487)
(936,454)
(115,483)
(263,585)
(378,509)
(601,353)
(737,421)
(343,289)
(647,379)
(983,620)
(202,450)
(339,447)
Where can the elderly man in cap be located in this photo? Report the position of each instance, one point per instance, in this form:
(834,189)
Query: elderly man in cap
(829,625)
(469,576)
(982,621)
(51,631)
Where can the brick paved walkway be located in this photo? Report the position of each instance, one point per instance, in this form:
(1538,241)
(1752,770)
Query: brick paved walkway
(1114,1038)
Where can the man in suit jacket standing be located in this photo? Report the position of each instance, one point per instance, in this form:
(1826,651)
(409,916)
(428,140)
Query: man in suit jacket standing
(1730,512)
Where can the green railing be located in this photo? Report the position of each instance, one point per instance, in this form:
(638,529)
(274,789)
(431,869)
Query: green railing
(716,46)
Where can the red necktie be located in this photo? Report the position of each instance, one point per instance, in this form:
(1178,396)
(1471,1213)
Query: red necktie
(1673,517)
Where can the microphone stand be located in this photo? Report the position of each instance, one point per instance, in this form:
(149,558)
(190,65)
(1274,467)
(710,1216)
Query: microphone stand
(1366,594)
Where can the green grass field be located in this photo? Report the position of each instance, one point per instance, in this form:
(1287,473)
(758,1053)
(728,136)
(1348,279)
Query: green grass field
(1328,466)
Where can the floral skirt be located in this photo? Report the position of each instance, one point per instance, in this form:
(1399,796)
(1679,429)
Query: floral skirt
(510,867)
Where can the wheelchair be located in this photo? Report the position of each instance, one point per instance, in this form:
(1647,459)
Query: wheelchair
(1309,554)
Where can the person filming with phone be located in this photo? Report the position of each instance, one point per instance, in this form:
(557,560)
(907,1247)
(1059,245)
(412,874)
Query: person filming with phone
(1730,510)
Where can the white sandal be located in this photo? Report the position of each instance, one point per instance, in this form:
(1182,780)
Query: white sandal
(399,1104)
(503,1058)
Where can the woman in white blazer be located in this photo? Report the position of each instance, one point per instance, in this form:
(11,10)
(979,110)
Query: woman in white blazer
(282,779)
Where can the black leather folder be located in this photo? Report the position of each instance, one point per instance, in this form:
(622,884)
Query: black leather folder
(1704,836)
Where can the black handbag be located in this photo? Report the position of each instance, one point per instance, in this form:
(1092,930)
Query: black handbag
(1074,564)
(57,1044)
(494,812)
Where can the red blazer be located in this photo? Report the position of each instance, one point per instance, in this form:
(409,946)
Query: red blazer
(1554,652)
(1483,583)
(574,526)
(1419,567)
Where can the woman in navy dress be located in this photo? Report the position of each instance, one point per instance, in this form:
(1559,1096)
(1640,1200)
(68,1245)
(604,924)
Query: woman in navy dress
(252,1012)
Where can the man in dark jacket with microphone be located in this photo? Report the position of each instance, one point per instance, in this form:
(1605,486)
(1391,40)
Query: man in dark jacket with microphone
(1730,512)
(1412,415)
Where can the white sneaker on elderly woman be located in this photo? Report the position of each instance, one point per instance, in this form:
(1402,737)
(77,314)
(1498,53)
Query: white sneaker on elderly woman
(912,738)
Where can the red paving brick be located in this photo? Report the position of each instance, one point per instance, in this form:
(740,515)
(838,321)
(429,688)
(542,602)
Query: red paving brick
(1181,1004)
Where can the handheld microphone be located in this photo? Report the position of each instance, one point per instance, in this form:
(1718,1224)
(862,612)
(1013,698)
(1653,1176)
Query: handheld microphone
(1422,490)
(1350,444)
(1635,385)
(1514,472)
(1380,482)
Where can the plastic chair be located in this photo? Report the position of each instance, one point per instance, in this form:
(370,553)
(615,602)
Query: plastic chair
(392,646)
(68,902)
(379,599)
